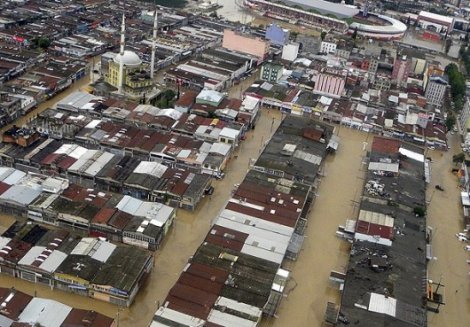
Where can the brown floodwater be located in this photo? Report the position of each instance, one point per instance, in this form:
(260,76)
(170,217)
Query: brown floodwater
(309,289)
(187,234)
(445,216)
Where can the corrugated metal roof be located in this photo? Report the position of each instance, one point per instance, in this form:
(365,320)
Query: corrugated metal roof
(316,160)
(157,213)
(412,155)
(5,322)
(178,317)
(376,218)
(260,223)
(31,255)
(239,306)
(53,261)
(220,148)
(4,241)
(383,166)
(229,132)
(104,251)
(150,168)
(22,195)
(381,304)
(228,320)
(45,312)
(5,172)
(14,177)
(84,246)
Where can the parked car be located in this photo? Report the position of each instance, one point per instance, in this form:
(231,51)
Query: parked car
(209,190)
(219,175)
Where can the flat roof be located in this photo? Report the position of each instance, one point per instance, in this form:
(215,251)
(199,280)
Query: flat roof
(380,265)
(433,16)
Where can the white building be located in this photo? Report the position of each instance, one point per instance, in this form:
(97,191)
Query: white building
(290,51)
(328,47)
(435,90)
(435,22)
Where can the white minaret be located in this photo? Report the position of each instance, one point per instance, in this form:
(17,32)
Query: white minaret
(154,43)
(121,54)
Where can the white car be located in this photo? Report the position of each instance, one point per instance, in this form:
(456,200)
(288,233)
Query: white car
(461,238)
(467,248)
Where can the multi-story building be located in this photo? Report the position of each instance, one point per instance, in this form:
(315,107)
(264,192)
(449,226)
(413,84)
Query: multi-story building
(245,43)
(464,116)
(271,72)
(290,51)
(436,89)
(328,47)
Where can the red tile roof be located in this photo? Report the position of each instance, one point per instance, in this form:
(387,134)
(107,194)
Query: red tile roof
(385,145)
(104,215)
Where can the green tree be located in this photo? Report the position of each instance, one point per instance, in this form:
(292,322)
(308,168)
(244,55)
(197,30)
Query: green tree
(419,211)
(323,35)
(460,157)
(354,34)
(166,99)
(293,35)
(462,50)
(450,122)
(43,42)
(448,45)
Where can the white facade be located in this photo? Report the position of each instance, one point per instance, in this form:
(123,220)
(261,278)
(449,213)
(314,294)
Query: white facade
(290,51)
(328,47)
(435,91)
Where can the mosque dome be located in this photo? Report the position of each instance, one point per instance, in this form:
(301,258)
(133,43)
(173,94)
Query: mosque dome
(129,58)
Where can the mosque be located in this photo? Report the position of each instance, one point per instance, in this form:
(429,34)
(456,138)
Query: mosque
(124,75)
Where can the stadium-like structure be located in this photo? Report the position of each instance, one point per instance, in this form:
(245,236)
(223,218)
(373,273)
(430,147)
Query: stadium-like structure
(332,16)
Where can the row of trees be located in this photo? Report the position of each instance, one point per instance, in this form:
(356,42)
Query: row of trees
(457,86)
(464,53)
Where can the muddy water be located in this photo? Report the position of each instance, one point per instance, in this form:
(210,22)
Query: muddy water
(310,290)
(187,233)
(80,84)
(234,11)
(445,216)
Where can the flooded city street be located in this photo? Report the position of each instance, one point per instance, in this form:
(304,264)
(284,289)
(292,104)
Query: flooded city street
(450,266)
(310,289)
(338,196)
(189,230)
